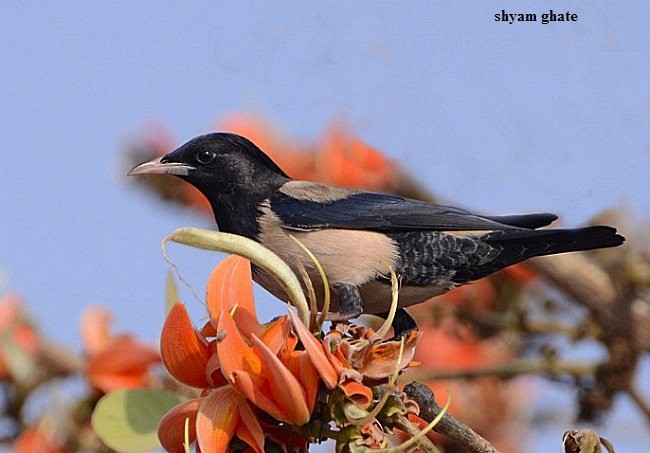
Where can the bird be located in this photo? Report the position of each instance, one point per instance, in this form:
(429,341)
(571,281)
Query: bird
(358,237)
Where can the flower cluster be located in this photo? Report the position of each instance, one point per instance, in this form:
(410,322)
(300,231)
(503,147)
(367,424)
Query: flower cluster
(114,361)
(261,382)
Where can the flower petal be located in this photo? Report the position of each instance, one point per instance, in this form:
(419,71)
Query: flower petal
(95,329)
(338,359)
(184,352)
(256,390)
(299,363)
(234,353)
(360,394)
(124,363)
(347,161)
(316,353)
(276,333)
(213,372)
(171,429)
(249,430)
(217,419)
(208,330)
(285,388)
(381,360)
(231,284)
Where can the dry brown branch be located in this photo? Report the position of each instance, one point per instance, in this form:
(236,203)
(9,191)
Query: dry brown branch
(580,278)
(62,360)
(448,425)
(512,369)
(618,311)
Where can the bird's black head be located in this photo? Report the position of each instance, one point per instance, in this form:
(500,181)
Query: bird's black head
(216,161)
(232,173)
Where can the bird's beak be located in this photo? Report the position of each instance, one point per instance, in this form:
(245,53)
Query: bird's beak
(156,167)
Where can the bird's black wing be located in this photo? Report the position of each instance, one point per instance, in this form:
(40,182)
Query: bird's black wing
(387,213)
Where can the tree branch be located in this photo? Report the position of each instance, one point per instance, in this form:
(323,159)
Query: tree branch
(514,368)
(448,425)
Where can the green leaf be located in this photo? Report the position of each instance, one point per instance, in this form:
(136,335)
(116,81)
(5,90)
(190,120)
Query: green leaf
(171,291)
(127,420)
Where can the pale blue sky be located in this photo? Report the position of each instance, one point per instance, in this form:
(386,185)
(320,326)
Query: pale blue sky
(496,117)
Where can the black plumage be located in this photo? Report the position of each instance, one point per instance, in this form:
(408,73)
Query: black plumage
(391,213)
(358,236)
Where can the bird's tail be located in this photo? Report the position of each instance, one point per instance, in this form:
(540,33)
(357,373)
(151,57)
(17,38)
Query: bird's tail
(519,245)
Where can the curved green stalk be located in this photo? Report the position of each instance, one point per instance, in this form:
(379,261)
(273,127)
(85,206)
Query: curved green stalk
(239,245)
(413,440)
(385,327)
(326,285)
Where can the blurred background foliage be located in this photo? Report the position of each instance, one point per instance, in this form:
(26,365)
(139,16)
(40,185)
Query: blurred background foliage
(434,99)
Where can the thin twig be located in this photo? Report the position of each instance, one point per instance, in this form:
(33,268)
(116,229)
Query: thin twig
(511,369)
(579,277)
(640,401)
(411,430)
(570,332)
(448,425)
(60,358)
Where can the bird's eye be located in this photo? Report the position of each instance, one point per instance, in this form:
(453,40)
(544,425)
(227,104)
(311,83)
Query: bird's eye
(205,157)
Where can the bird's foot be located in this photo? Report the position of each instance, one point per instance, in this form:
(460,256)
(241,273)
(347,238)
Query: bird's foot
(403,324)
(351,305)
(342,316)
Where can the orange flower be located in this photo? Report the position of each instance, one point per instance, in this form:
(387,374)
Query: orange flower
(347,361)
(245,369)
(223,412)
(239,368)
(220,413)
(347,161)
(171,429)
(185,353)
(114,361)
(229,287)
(213,420)
(257,373)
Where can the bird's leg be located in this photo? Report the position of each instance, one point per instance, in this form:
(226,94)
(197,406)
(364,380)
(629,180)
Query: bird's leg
(350,304)
(403,323)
